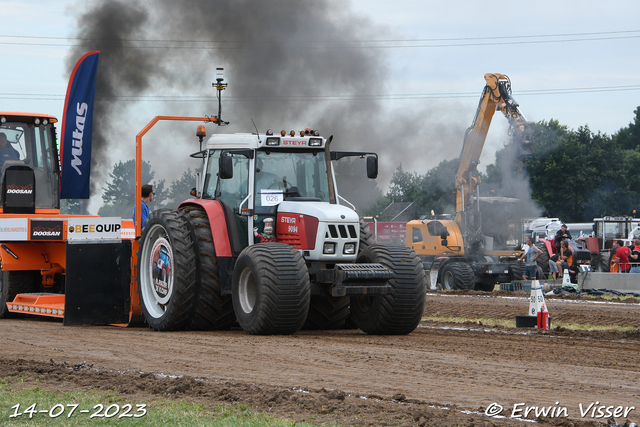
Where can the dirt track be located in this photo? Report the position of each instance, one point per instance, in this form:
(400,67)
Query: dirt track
(356,379)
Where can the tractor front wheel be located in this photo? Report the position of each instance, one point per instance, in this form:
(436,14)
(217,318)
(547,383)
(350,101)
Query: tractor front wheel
(271,289)
(399,312)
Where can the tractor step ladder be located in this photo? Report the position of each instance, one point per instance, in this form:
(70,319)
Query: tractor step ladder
(41,304)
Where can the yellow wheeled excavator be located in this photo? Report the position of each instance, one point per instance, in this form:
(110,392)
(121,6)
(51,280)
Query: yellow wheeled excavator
(479,245)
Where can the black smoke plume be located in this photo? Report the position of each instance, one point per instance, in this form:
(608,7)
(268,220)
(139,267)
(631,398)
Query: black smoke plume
(289,64)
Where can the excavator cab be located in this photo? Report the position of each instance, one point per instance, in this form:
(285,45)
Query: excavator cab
(29,169)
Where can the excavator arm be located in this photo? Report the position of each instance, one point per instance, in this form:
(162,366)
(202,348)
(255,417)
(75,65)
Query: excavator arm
(496,96)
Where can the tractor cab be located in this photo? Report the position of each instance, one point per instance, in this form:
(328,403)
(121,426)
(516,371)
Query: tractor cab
(29,169)
(286,182)
(606,230)
(265,242)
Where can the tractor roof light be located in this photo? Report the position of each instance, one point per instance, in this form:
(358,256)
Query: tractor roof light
(36,121)
(302,133)
(269,132)
(315,142)
(45,122)
(292,133)
(283,132)
(3,120)
(201,132)
(273,141)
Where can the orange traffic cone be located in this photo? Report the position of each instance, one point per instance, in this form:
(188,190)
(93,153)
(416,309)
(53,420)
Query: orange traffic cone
(537,306)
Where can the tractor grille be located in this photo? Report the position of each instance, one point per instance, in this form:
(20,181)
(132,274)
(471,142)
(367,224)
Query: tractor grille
(342,231)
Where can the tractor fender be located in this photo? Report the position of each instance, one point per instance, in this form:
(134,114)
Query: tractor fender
(550,245)
(219,225)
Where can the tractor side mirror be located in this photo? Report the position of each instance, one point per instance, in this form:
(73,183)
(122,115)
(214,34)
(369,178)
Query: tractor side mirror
(225,165)
(372,167)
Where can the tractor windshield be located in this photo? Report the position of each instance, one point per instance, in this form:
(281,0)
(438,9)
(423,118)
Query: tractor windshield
(298,175)
(33,147)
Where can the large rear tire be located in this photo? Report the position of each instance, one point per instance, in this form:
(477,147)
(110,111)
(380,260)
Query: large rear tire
(212,309)
(543,259)
(457,275)
(167,271)
(13,283)
(366,236)
(398,313)
(271,289)
(604,260)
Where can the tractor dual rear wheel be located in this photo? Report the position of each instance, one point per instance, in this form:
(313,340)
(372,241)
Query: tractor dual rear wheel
(603,262)
(399,312)
(271,289)
(212,309)
(167,271)
(543,259)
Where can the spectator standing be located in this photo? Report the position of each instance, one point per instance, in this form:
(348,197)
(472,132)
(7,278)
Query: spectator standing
(531,255)
(622,254)
(634,257)
(146,197)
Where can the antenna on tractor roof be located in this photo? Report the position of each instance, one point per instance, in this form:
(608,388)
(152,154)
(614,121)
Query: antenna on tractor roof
(220,87)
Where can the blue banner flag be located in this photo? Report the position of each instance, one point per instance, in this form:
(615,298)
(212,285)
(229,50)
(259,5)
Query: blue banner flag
(77,126)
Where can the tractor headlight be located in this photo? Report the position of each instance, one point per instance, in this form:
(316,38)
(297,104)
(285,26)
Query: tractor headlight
(329,248)
(349,249)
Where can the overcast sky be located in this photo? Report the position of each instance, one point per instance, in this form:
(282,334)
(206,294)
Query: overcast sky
(574,61)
